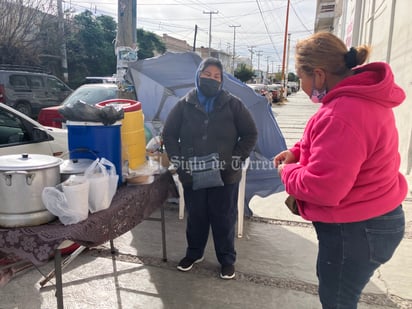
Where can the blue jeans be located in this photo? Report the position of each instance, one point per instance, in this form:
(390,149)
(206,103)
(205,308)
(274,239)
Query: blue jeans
(349,253)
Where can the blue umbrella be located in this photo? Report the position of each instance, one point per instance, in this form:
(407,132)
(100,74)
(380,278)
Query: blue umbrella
(161,81)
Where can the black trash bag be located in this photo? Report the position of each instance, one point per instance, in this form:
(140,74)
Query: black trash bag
(80,111)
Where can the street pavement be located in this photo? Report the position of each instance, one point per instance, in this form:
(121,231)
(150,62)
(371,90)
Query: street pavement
(275,265)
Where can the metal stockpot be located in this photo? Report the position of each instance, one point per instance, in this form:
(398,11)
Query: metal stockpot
(22,180)
(74,167)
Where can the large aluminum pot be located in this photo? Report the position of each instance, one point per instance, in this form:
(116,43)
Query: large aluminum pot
(22,180)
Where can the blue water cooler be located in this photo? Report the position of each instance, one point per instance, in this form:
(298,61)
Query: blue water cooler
(93,140)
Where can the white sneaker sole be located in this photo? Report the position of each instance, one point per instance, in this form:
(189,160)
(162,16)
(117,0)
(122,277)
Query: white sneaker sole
(227,277)
(191,266)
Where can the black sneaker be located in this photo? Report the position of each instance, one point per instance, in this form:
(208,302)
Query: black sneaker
(186,263)
(227,272)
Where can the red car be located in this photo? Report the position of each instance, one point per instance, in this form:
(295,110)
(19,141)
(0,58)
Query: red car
(275,90)
(89,93)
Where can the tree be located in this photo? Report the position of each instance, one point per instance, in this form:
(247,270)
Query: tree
(244,73)
(148,43)
(90,47)
(29,36)
(26,31)
(292,77)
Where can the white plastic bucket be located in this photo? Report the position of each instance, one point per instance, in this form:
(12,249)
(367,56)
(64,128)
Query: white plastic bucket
(76,191)
(99,192)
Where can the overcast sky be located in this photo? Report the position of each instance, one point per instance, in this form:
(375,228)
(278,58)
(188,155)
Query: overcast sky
(261,23)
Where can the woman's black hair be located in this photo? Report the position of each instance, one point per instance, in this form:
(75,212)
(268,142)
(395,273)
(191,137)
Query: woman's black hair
(211,61)
(350,57)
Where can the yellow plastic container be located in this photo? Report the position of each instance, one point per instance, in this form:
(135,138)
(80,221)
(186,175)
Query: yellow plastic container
(132,132)
(133,138)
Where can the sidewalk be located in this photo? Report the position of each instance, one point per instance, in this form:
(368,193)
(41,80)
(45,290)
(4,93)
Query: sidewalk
(275,266)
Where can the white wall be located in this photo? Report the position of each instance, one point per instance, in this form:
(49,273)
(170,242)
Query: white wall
(386,26)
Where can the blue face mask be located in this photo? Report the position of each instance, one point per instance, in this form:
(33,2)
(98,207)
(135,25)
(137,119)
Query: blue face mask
(317,95)
(208,86)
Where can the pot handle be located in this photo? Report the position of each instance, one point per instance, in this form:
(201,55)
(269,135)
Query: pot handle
(8,175)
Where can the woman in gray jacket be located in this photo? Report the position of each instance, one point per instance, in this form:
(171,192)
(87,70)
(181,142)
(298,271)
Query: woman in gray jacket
(207,136)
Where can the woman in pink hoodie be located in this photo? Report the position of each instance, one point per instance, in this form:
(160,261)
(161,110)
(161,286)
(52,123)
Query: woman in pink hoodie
(344,172)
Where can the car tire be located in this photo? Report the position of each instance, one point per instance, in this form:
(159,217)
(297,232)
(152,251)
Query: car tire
(24,108)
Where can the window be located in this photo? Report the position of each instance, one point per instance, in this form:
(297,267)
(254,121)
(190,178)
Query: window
(36,82)
(19,81)
(56,85)
(12,130)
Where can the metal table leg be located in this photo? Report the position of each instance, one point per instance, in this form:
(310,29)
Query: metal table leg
(113,249)
(58,274)
(163,223)
(162,219)
(62,263)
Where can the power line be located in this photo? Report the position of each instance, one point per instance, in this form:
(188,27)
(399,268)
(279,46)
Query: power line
(300,20)
(267,29)
(265,32)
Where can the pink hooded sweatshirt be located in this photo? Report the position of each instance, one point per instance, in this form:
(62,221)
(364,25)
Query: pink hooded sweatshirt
(348,159)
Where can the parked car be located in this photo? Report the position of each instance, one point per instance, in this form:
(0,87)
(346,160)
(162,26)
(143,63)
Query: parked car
(29,91)
(21,134)
(262,90)
(259,88)
(89,93)
(101,80)
(275,89)
(294,86)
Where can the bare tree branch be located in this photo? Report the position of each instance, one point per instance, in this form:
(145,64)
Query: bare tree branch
(22,27)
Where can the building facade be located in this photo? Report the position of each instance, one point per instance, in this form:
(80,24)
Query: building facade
(176,45)
(180,46)
(385,26)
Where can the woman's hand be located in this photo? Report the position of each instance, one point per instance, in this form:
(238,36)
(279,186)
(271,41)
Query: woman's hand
(285,157)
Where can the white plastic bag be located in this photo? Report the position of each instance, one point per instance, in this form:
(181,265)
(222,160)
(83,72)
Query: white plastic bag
(71,205)
(113,178)
(103,184)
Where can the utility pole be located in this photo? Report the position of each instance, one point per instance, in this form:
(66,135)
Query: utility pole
(267,67)
(194,40)
(287,64)
(63,51)
(126,48)
(234,49)
(259,54)
(284,54)
(126,32)
(210,26)
(251,54)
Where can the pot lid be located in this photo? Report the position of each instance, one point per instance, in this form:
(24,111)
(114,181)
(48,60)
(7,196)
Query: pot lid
(75,166)
(27,161)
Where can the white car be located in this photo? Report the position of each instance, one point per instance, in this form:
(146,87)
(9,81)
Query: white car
(21,134)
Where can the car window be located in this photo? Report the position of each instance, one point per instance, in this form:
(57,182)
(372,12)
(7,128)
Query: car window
(19,81)
(36,82)
(12,129)
(55,84)
(91,95)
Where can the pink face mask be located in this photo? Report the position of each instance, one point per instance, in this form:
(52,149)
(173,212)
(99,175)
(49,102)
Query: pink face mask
(317,95)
